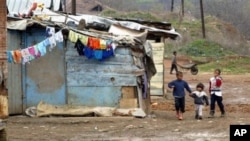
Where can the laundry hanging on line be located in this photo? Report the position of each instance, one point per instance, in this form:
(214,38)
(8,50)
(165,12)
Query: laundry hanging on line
(36,51)
(91,47)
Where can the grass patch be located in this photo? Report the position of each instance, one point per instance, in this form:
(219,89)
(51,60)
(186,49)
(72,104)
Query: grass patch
(130,15)
(228,65)
(205,48)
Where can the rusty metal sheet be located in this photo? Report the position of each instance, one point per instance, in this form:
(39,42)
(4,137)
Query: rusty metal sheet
(94,96)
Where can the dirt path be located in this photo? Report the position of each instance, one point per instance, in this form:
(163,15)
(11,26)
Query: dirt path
(161,126)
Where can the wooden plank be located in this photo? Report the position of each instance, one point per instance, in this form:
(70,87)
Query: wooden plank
(128,92)
(100,79)
(158,58)
(158,62)
(158,53)
(93,96)
(156,92)
(102,68)
(158,45)
(128,103)
(157,49)
(3,107)
(159,67)
(117,59)
(156,85)
(157,77)
(71,51)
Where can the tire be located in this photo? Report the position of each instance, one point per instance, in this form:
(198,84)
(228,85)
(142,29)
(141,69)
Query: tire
(194,70)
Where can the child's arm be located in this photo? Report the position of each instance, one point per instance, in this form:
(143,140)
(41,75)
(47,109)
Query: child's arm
(206,100)
(193,95)
(187,88)
(171,84)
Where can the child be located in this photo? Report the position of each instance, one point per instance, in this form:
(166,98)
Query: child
(200,98)
(179,87)
(215,93)
(174,63)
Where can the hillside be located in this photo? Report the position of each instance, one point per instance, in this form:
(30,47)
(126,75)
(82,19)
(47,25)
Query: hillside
(224,47)
(223,39)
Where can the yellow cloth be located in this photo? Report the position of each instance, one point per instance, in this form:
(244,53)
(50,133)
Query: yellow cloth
(103,44)
(73,36)
(83,39)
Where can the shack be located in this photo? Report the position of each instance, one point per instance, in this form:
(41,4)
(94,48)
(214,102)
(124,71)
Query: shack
(63,76)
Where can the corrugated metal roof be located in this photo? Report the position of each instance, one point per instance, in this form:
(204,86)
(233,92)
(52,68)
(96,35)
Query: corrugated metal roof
(19,6)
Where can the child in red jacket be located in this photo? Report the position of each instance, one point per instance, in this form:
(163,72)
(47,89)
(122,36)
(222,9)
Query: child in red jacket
(215,84)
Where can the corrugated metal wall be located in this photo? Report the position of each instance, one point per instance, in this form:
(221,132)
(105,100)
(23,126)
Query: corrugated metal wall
(98,83)
(157,83)
(19,6)
(14,85)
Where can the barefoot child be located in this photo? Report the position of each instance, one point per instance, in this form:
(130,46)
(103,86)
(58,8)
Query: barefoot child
(200,98)
(179,87)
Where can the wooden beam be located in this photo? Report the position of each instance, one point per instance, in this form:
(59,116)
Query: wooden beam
(202,20)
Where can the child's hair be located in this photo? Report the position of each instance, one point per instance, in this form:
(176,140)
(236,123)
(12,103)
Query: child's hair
(218,70)
(200,85)
(174,52)
(179,73)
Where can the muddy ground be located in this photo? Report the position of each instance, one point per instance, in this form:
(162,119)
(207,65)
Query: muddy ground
(162,125)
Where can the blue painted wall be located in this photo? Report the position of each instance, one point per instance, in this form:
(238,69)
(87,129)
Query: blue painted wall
(98,83)
(44,77)
(63,77)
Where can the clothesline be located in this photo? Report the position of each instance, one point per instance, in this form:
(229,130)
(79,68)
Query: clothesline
(91,47)
(36,51)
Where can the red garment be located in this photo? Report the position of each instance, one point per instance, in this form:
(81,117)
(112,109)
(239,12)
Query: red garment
(215,83)
(94,43)
(17,56)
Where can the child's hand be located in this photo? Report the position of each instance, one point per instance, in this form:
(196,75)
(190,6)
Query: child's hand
(172,87)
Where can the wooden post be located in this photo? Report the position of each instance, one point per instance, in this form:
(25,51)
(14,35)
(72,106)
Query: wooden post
(73,7)
(3,135)
(182,7)
(202,20)
(3,93)
(3,44)
(172,5)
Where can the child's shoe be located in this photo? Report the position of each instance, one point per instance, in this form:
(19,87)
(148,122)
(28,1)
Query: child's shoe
(222,114)
(211,114)
(200,117)
(196,116)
